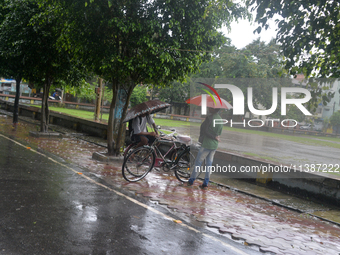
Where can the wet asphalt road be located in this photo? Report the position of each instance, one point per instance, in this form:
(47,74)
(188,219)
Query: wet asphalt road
(52,208)
(273,148)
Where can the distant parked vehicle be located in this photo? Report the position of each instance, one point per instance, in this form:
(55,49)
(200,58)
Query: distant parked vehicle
(306,127)
(56,95)
(55,98)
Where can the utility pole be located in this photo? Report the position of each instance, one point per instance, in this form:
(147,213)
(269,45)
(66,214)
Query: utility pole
(99,91)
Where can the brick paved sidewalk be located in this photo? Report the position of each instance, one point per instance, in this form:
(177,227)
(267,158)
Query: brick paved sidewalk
(255,221)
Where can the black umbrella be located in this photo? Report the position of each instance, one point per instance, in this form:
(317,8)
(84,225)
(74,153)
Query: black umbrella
(150,107)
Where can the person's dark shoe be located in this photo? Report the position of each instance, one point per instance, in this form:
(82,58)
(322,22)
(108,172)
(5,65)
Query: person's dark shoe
(190,182)
(202,186)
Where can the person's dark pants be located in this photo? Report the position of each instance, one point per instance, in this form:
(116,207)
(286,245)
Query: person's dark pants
(137,139)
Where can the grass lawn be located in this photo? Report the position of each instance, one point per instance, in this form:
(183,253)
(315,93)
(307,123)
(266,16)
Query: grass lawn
(76,112)
(174,123)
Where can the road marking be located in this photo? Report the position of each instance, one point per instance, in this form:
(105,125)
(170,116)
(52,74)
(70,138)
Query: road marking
(129,198)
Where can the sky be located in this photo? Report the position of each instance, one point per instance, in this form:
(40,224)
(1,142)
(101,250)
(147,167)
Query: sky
(241,33)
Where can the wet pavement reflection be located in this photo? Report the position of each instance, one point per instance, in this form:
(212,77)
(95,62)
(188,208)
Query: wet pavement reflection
(255,221)
(48,209)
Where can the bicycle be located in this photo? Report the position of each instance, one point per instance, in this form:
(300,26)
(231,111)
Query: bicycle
(171,136)
(142,160)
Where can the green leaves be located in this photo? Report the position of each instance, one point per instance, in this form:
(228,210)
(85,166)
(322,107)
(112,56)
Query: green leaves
(129,42)
(138,95)
(306,26)
(335,120)
(150,41)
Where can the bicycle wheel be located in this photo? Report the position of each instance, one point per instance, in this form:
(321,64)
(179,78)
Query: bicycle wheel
(130,148)
(138,164)
(176,152)
(183,165)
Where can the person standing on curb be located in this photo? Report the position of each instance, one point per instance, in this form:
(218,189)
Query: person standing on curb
(209,138)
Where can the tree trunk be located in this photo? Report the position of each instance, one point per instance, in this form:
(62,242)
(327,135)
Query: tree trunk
(121,128)
(42,119)
(98,99)
(16,102)
(44,108)
(110,128)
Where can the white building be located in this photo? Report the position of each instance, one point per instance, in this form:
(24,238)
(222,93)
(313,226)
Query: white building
(326,111)
(8,86)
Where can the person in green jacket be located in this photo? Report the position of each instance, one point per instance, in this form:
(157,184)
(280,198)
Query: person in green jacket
(209,137)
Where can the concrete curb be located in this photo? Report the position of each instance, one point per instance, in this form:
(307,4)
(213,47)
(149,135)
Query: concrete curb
(47,134)
(100,156)
(322,187)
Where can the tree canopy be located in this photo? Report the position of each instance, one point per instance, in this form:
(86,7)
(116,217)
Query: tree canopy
(308,32)
(29,33)
(176,92)
(149,42)
(258,65)
(138,95)
(15,54)
(146,41)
